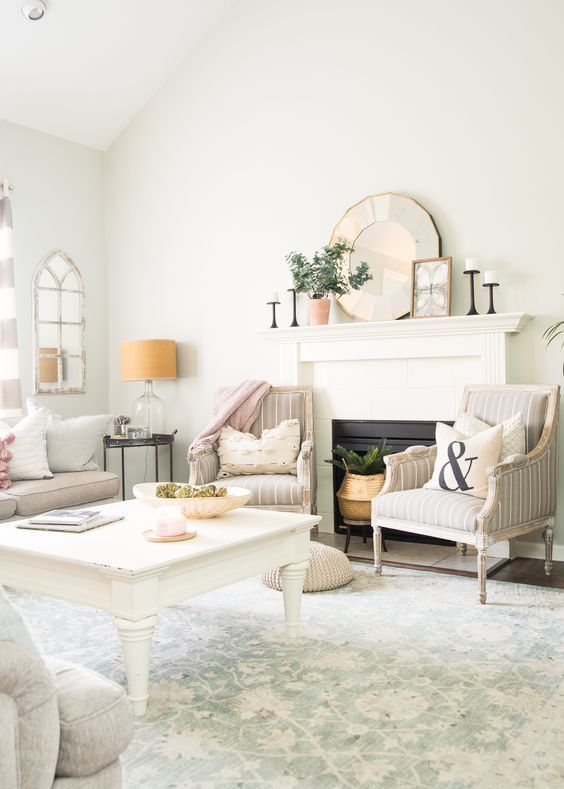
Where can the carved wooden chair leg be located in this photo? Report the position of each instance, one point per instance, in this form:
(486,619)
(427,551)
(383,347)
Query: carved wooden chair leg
(482,573)
(548,538)
(377,550)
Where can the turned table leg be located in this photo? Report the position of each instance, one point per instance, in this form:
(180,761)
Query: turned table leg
(136,638)
(292,577)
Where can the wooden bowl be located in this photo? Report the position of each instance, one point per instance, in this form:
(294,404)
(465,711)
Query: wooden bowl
(205,507)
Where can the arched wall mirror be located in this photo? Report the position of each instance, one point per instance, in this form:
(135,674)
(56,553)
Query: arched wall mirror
(58,325)
(388,231)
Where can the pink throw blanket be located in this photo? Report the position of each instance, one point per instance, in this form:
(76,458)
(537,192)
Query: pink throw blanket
(237,406)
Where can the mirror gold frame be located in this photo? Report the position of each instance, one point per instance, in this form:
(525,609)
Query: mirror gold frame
(413,218)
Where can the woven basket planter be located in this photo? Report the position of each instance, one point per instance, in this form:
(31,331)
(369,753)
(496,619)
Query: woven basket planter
(356,493)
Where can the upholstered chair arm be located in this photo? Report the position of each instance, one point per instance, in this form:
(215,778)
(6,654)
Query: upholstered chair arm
(521,490)
(203,465)
(303,465)
(28,701)
(409,469)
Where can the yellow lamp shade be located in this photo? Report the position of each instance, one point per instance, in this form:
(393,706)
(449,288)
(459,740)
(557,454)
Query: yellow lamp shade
(147,360)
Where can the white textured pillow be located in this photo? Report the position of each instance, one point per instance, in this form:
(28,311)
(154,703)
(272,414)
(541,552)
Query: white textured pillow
(72,443)
(462,461)
(275,452)
(513,440)
(29,450)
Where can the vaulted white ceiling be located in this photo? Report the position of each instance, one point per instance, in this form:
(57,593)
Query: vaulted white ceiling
(87,68)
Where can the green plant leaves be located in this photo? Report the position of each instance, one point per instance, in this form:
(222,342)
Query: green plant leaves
(371,462)
(326,273)
(553,332)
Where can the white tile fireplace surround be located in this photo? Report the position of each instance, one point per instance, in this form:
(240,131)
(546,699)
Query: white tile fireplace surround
(406,369)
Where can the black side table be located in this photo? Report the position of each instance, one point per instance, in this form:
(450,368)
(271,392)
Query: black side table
(156,440)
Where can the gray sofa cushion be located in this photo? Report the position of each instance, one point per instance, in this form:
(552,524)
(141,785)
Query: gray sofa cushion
(267,489)
(64,490)
(7,506)
(96,719)
(432,507)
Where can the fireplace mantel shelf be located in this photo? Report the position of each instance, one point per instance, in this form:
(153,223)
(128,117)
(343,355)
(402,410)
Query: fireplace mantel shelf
(505,323)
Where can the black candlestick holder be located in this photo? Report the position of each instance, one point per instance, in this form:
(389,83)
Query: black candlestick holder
(472,272)
(294,317)
(491,286)
(273,325)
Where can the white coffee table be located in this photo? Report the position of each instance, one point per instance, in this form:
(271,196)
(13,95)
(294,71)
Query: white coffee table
(116,569)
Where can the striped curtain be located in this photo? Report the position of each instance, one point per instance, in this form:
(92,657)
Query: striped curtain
(10,392)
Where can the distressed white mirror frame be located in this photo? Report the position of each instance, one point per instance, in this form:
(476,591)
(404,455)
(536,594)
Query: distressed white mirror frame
(58,275)
(410,215)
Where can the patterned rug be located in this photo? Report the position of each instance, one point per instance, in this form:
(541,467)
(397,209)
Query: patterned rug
(399,681)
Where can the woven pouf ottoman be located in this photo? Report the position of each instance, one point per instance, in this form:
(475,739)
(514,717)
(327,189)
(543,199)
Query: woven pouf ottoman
(328,569)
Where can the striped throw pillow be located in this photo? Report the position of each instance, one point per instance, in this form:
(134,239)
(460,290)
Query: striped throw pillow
(29,450)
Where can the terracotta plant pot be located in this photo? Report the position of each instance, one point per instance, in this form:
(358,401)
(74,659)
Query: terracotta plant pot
(318,311)
(356,493)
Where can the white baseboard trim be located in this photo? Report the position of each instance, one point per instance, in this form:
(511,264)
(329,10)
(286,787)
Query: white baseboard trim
(535,550)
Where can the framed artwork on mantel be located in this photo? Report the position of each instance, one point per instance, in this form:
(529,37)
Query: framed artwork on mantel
(430,288)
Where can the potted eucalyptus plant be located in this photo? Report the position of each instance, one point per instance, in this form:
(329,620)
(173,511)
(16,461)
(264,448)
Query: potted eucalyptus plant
(324,274)
(364,478)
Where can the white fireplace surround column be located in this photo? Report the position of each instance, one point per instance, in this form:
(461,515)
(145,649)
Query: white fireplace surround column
(411,369)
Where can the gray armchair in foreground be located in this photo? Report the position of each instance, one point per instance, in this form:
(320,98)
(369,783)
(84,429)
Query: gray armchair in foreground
(521,495)
(61,726)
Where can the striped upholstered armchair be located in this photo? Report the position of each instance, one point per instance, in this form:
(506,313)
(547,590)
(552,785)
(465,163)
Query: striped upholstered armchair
(521,494)
(286,492)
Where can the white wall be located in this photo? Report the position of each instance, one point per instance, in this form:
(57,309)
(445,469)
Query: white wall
(287,114)
(57,202)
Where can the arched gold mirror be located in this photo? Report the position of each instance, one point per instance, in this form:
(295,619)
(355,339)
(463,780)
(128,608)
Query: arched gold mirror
(388,231)
(58,322)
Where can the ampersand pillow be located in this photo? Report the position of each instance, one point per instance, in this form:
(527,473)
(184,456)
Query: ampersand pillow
(462,461)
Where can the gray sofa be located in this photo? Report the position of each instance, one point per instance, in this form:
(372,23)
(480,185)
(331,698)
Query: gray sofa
(61,725)
(70,489)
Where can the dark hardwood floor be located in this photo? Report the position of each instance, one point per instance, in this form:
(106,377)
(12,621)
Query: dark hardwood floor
(530,571)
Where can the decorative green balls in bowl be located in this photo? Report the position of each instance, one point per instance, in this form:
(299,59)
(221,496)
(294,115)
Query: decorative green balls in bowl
(194,501)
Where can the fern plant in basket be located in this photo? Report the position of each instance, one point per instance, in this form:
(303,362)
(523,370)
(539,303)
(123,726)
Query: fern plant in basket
(364,478)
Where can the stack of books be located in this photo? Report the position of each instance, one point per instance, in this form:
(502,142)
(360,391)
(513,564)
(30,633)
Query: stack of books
(70,520)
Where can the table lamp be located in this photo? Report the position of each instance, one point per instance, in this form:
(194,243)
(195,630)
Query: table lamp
(148,360)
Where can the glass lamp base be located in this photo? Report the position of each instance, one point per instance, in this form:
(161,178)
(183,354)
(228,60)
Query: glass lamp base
(149,410)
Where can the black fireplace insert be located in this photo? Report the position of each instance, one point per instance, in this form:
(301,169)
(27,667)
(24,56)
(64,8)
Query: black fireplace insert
(359,434)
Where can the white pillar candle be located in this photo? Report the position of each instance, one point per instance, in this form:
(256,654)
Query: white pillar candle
(273,296)
(491,278)
(291,285)
(169,522)
(471,264)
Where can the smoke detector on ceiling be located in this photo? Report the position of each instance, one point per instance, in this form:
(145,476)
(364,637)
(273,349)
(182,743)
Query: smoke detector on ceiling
(34,10)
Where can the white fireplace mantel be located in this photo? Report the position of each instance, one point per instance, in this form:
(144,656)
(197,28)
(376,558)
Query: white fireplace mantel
(461,336)
(413,369)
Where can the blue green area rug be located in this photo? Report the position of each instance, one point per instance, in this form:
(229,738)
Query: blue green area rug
(398,681)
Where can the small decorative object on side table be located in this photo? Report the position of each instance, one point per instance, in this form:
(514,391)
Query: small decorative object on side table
(491,281)
(156,440)
(471,268)
(274,300)
(120,426)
